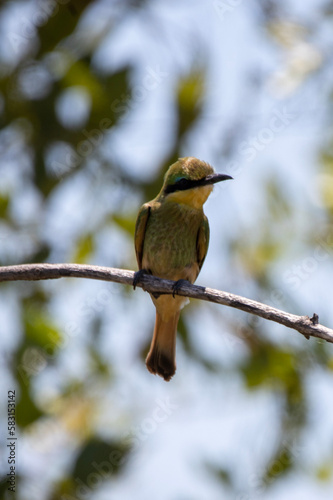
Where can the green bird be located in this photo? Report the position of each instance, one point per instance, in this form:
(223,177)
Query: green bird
(171,242)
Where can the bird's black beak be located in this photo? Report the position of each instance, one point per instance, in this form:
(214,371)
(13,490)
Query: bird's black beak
(214,178)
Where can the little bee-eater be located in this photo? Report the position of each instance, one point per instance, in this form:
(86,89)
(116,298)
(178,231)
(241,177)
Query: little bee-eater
(171,242)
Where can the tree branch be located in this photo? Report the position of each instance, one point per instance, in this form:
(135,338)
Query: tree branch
(309,327)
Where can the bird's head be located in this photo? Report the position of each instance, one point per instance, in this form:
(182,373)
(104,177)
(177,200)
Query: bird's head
(190,181)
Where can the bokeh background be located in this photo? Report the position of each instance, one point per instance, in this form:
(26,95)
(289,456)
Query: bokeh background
(97,98)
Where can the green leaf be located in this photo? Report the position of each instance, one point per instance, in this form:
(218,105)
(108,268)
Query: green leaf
(281,464)
(4,202)
(84,248)
(221,473)
(324,472)
(269,364)
(125,223)
(40,330)
(26,410)
(101,458)
(62,20)
(189,100)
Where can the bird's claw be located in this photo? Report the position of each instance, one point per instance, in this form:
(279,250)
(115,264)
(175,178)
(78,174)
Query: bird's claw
(138,276)
(177,286)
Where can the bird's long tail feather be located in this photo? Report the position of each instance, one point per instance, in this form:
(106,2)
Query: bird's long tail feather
(161,359)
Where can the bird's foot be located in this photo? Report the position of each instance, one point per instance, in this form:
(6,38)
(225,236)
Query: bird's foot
(177,286)
(138,277)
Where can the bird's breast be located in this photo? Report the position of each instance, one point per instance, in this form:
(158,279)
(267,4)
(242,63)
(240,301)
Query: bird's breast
(170,246)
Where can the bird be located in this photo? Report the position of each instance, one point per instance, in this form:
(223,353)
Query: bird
(171,242)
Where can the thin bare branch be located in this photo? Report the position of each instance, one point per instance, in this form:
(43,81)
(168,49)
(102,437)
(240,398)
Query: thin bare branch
(309,327)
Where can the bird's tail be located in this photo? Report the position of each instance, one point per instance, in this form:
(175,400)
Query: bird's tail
(161,359)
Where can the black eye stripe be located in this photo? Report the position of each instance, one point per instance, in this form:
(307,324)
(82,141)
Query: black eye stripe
(183,184)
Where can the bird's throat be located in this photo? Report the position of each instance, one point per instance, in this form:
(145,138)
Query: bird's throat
(195,197)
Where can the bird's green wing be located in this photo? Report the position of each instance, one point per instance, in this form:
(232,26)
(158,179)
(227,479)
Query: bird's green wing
(140,231)
(202,241)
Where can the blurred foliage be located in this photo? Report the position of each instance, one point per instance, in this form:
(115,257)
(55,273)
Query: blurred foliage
(49,152)
(84,248)
(190,95)
(97,462)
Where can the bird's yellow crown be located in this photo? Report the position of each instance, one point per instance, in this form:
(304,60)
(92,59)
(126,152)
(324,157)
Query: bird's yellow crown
(189,168)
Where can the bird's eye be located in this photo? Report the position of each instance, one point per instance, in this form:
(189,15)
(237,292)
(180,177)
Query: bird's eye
(180,181)
(179,184)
